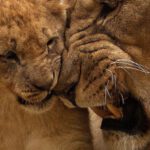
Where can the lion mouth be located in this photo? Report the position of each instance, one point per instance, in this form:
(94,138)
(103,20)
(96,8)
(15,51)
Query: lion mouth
(38,104)
(132,117)
(126,115)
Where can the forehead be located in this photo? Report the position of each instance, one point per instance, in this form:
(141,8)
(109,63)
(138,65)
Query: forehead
(29,9)
(29,15)
(30,22)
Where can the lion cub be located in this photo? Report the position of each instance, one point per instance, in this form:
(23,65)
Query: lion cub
(109,61)
(31,44)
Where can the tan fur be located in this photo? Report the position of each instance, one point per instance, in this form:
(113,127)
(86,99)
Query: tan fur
(56,129)
(29,68)
(96,46)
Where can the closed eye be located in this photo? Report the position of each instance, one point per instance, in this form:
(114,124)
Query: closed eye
(106,10)
(108,7)
(12,56)
(51,43)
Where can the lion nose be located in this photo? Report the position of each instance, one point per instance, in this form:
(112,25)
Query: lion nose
(43,83)
(43,86)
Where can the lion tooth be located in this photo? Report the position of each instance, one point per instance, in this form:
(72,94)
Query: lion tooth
(101,113)
(115,111)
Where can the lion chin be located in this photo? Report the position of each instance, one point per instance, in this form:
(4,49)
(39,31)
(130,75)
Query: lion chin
(36,107)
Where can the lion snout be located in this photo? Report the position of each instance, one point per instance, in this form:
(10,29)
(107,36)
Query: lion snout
(43,82)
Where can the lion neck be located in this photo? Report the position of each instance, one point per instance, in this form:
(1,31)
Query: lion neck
(13,115)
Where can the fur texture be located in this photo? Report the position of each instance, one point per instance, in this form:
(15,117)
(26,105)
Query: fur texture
(31,44)
(56,129)
(109,55)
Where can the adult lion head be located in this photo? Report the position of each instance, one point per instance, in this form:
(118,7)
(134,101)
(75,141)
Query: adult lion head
(109,55)
(31,43)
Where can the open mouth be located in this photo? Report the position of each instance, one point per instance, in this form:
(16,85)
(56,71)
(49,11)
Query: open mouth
(132,118)
(39,104)
(126,115)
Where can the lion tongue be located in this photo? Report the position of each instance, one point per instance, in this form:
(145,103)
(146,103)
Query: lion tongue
(110,111)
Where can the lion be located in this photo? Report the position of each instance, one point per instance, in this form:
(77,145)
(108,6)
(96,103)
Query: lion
(107,68)
(32,117)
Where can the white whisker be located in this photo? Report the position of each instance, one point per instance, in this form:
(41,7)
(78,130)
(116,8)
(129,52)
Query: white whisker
(122,98)
(132,64)
(105,102)
(112,75)
(136,69)
(108,90)
(130,61)
(136,66)
(126,64)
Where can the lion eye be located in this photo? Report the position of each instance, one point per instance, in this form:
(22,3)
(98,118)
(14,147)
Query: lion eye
(11,55)
(51,43)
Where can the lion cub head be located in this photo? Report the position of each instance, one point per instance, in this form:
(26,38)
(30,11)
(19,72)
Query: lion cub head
(31,43)
(108,62)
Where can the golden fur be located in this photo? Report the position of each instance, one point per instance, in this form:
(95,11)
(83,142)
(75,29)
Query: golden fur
(109,50)
(56,129)
(31,44)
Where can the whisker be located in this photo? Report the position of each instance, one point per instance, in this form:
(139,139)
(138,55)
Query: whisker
(126,64)
(135,66)
(131,64)
(105,101)
(122,98)
(130,61)
(106,93)
(112,75)
(131,68)
(108,90)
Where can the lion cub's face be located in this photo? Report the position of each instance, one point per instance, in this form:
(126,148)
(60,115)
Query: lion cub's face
(106,33)
(31,43)
(109,54)
(108,38)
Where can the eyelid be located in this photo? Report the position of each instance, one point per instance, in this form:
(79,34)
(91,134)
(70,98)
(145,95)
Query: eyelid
(52,41)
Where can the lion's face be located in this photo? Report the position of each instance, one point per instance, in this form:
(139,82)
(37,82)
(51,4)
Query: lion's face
(31,43)
(109,55)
